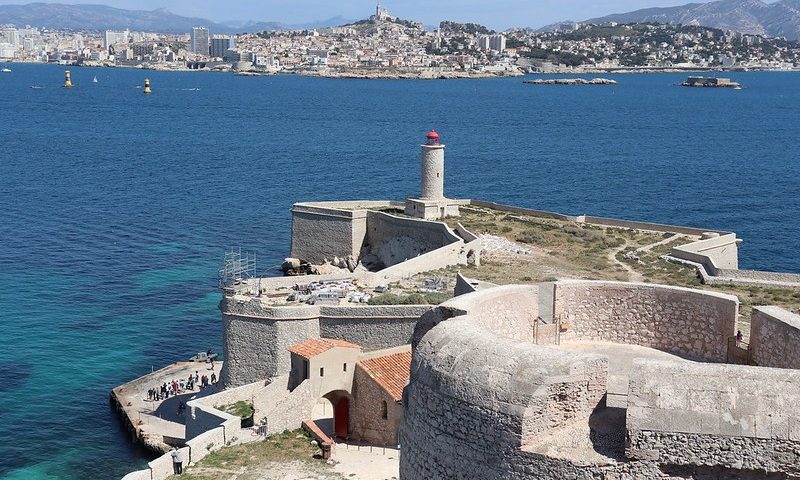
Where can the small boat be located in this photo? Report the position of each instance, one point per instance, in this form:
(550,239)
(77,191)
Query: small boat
(6,70)
(37,87)
(94,80)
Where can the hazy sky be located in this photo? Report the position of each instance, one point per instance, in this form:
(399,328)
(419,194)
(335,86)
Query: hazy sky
(498,14)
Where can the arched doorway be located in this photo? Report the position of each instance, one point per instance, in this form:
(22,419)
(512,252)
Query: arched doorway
(341,417)
(340,401)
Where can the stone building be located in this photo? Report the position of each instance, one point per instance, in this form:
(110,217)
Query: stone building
(377,408)
(328,364)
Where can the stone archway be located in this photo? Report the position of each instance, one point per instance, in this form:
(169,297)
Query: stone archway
(340,400)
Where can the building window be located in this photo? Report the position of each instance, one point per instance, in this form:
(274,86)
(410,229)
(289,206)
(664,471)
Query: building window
(344,367)
(384,410)
(321,372)
(305,370)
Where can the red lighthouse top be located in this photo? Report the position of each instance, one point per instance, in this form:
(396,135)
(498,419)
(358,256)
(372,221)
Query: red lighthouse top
(433,138)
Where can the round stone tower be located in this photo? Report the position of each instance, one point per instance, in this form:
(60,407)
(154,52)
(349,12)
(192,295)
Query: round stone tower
(432,168)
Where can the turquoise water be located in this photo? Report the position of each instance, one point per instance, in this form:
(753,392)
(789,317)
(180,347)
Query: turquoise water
(115,208)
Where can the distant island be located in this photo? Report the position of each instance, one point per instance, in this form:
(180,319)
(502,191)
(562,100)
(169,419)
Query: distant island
(708,82)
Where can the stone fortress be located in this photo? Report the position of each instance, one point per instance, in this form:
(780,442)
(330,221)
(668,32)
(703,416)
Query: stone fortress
(565,379)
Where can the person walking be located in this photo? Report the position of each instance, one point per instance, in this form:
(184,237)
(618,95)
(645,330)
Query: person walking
(177,461)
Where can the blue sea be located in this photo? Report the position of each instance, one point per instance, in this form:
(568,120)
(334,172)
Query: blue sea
(116,207)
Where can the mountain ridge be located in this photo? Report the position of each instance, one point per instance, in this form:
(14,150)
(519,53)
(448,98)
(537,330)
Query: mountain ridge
(778,19)
(102,17)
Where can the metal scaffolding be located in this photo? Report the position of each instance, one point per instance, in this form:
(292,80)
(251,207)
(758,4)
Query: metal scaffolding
(237,268)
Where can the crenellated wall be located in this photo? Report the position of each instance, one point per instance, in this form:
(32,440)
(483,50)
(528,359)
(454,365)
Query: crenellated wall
(694,324)
(775,338)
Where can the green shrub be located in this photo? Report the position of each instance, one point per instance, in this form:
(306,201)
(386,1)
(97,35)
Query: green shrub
(530,236)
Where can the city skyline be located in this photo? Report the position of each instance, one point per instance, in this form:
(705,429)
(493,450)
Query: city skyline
(510,13)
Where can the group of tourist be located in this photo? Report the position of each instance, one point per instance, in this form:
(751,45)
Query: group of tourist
(175,387)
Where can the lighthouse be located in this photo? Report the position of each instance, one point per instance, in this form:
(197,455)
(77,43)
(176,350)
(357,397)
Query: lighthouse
(432,181)
(147,90)
(431,203)
(67,79)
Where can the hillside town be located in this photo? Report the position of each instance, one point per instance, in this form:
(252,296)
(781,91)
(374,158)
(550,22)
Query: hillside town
(385,46)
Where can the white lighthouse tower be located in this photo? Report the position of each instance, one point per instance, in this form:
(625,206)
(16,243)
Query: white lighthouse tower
(432,168)
(432,204)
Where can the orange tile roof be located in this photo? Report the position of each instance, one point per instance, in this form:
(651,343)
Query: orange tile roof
(314,346)
(391,372)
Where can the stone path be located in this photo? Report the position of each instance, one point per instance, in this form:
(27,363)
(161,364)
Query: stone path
(157,419)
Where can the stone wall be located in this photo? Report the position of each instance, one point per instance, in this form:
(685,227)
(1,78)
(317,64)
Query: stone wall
(202,418)
(694,324)
(509,311)
(637,225)
(372,327)
(481,405)
(366,417)
(322,233)
(257,337)
(257,348)
(775,338)
(714,253)
(475,399)
(729,416)
(394,239)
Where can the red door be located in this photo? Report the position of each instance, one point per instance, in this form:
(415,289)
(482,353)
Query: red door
(340,417)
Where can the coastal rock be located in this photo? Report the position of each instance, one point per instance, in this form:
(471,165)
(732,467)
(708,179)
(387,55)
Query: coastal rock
(571,81)
(290,264)
(351,263)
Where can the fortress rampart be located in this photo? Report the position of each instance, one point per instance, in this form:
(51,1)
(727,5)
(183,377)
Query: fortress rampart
(326,229)
(477,398)
(485,402)
(726,416)
(693,324)
(257,337)
(775,338)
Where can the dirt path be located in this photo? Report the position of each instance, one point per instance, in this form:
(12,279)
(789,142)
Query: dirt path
(633,275)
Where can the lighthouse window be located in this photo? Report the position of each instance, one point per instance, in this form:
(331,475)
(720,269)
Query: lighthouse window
(437,175)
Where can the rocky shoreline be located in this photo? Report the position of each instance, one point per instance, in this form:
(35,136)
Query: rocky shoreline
(393,74)
(571,81)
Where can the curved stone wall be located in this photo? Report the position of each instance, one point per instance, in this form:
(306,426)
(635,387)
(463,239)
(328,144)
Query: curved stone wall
(476,399)
(694,324)
(257,348)
(483,405)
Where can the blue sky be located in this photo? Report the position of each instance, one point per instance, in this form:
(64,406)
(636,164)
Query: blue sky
(496,14)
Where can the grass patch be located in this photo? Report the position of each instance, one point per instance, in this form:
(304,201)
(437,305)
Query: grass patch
(292,449)
(411,299)
(240,409)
